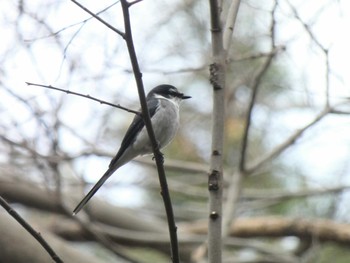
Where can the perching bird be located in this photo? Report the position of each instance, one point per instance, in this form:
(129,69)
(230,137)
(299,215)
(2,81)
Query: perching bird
(163,106)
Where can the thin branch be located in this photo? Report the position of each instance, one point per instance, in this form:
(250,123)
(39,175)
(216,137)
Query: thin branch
(233,195)
(255,86)
(122,34)
(234,189)
(282,194)
(72,25)
(328,72)
(30,230)
(98,236)
(230,23)
(324,50)
(148,124)
(258,55)
(176,71)
(84,96)
(288,142)
(127,36)
(134,2)
(306,27)
(292,139)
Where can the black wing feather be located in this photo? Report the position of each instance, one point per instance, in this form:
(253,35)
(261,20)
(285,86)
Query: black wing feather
(134,128)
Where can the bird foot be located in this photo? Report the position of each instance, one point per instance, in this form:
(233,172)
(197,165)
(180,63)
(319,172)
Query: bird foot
(161,155)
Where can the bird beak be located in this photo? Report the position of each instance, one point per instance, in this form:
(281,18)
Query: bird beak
(184,97)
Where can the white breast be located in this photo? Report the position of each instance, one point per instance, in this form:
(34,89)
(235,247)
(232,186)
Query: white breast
(165,124)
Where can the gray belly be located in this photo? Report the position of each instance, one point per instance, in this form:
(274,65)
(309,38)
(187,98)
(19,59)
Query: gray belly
(165,124)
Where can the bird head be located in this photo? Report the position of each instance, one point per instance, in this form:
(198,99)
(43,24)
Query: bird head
(167,92)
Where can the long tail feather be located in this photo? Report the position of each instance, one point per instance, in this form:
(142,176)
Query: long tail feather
(97,186)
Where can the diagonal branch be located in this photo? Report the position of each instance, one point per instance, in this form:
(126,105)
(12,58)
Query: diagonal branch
(30,230)
(122,34)
(289,141)
(324,50)
(255,87)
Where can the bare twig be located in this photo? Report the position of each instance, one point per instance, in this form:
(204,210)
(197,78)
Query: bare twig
(122,34)
(148,124)
(255,86)
(127,36)
(288,142)
(72,25)
(134,2)
(234,189)
(84,96)
(282,194)
(246,57)
(30,230)
(230,23)
(293,138)
(323,49)
(98,235)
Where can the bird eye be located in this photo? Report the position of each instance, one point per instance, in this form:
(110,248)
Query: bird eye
(173,92)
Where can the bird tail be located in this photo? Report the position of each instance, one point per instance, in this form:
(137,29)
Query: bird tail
(91,193)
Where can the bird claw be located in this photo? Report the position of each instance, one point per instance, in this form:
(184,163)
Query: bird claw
(161,155)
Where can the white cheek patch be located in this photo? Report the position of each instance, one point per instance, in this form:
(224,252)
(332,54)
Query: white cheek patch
(173,100)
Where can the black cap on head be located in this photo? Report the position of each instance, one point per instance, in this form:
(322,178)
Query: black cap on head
(167,91)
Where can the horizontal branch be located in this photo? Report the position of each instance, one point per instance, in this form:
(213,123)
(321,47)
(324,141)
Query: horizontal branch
(71,231)
(275,226)
(84,96)
(281,194)
(29,194)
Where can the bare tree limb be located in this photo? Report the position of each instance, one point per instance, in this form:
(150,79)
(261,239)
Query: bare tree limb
(256,84)
(215,180)
(148,124)
(84,96)
(98,236)
(67,229)
(127,36)
(288,142)
(230,23)
(276,226)
(280,195)
(30,230)
(234,189)
(122,34)
(323,49)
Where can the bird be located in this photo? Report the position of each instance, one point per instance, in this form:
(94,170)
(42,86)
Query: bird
(163,105)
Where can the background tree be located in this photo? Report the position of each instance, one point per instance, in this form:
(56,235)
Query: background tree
(286,136)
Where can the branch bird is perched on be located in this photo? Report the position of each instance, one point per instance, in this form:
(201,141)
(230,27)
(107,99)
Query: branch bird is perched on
(163,106)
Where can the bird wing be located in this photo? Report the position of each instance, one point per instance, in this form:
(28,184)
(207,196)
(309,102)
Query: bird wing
(130,136)
(133,130)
